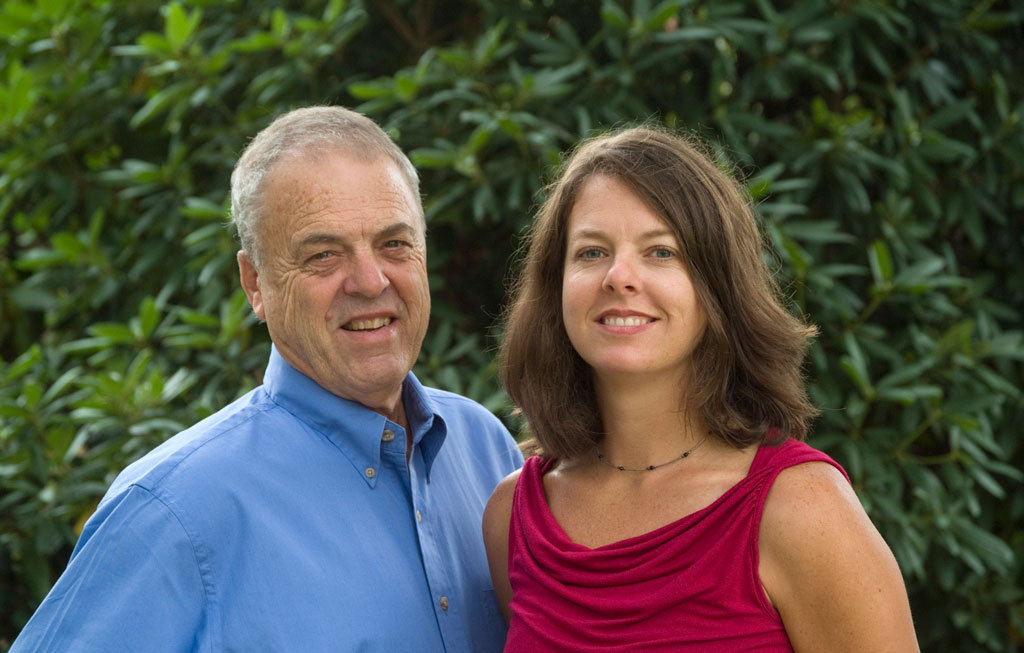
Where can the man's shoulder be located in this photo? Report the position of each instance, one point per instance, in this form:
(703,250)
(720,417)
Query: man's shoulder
(452,404)
(213,441)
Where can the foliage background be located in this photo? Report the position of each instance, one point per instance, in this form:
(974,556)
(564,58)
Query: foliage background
(882,141)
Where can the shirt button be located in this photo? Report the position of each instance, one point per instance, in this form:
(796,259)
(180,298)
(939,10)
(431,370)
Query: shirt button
(370,472)
(419,517)
(444,603)
(388,436)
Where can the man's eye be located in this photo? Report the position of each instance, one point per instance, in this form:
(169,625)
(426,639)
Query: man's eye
(398,243)
(321,256)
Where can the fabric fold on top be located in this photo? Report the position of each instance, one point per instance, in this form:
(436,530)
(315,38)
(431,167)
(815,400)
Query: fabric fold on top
(692,584)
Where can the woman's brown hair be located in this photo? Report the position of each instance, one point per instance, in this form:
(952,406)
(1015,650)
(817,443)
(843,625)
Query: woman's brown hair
(747,366)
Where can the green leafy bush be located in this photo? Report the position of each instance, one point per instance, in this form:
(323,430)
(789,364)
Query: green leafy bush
(882,142)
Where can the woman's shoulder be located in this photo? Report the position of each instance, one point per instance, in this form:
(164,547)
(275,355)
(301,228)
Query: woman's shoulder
(809,506)
(498,510)
(825,567)
(790,452)
(507,486)
(808,487)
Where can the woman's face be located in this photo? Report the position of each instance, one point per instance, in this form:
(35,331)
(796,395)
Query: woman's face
(628,303)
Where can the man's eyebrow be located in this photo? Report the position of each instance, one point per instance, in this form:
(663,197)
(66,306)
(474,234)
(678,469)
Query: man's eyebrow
(320,239)
(396,229)
(323,238)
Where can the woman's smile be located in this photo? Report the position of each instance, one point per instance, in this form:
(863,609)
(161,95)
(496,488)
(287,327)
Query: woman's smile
(628,303)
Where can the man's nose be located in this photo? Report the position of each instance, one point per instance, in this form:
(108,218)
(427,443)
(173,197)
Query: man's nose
(365,277)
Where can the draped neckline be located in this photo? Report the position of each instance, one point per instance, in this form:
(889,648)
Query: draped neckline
(556,531)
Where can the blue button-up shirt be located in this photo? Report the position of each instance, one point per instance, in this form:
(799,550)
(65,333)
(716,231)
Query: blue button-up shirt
(289,521)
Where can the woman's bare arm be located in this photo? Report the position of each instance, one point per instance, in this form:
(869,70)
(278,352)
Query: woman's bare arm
(827,569)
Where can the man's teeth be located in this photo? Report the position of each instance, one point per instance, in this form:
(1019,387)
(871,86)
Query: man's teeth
(625,321)
(367,325)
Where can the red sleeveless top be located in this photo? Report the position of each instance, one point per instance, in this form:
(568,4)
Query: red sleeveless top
(691,585)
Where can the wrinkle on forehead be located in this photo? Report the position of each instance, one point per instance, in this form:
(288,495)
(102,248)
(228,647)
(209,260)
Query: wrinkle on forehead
(301,190)
(305,202)
(301,199)
(297,169)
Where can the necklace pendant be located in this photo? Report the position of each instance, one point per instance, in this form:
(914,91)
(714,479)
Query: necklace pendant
(649,468)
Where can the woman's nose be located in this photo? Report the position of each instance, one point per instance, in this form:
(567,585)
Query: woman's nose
(622,275)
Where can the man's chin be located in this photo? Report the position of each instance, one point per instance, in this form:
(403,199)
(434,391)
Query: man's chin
(375,387)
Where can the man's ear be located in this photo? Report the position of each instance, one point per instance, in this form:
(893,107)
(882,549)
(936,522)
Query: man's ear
(250,278)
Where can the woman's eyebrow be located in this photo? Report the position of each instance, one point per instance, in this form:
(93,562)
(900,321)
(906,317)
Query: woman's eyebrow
(597,233)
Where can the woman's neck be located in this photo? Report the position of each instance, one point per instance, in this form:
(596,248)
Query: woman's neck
(645,420)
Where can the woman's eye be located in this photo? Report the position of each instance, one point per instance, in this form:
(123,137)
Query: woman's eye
(662,252)
(590,254)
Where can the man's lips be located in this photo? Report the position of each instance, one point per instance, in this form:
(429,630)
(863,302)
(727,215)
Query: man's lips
(367,324)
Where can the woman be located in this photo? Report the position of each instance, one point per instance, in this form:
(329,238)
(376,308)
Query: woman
(674,506)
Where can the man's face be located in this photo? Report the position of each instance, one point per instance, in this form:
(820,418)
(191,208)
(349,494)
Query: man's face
(343,286)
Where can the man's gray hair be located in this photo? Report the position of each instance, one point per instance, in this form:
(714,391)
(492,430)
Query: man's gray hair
(312,131)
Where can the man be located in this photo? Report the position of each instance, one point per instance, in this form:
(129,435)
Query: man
(337,507)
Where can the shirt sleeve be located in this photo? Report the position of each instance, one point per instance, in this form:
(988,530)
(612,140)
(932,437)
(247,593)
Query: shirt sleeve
(133,584)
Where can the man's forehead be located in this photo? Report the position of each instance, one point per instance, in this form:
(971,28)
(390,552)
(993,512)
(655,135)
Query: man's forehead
(338,175)
(314,157)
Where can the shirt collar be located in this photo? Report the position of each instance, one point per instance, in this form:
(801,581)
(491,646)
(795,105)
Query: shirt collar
(428,427)
(352,427)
